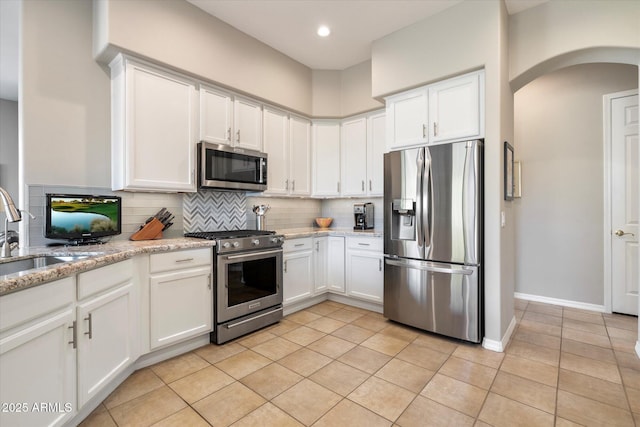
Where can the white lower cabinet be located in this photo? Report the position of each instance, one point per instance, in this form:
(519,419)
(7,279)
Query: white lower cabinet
(180,296)
(107,326)
(335,263)
(320,264)
(37,355)
(298,271)
(365,273)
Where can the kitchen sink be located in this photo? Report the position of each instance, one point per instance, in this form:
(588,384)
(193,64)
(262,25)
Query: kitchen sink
(25,264)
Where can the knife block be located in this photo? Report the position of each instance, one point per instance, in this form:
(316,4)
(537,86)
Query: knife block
(150,231)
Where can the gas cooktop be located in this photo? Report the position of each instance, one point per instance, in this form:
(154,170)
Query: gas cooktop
(228,234)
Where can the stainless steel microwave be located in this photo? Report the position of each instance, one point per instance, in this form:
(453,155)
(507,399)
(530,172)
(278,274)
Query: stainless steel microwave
(231,168)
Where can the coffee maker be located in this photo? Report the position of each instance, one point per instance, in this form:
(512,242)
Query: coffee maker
(363,216)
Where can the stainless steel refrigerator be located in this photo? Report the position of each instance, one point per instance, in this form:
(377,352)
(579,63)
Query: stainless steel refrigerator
(433,204)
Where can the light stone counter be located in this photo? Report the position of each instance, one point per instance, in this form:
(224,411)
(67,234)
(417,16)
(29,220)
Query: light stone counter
(97,256)
(297,233)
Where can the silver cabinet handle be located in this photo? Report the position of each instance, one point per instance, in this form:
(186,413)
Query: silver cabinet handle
(364,244)
(73,335)
(370,186)
(363,185)
(435,129)
(209,281)
(379,264)
(424,130)
(317,246)
(338,186)
(285,266)
(286,184)
(293,185)
(238,136)
(183,260)
(297,245)
(90,333)
(229,134)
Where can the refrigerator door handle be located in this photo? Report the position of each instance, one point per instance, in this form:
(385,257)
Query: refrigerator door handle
(427,202)
(429,266)
(469,204)
(419,197)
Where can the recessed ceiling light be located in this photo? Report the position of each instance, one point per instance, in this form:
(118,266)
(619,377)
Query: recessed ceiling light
(323,31)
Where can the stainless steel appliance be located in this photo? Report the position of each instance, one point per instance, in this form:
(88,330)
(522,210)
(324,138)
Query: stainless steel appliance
(433,202)
(248,278)
(231,168)
(363,216)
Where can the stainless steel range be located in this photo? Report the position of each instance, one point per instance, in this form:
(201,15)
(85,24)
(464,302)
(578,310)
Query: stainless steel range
(248,278)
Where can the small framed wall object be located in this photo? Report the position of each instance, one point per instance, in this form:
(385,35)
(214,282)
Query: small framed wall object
(517,180)
(508,171)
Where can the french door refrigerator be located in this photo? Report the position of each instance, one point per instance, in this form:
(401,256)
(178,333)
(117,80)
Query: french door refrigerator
(433,204)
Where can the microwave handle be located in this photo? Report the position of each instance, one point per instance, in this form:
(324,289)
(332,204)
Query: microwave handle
(261,171)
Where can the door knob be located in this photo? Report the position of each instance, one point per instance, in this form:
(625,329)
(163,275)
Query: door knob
(621,233)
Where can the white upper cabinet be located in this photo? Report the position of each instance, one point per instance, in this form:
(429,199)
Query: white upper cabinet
(451,110)
(354,157)
(300,156)
(247,118)
(326,158)
(154,128)
(216,115)
(230,120)
(454,108)
(376,145)
(276,145)
(407,119)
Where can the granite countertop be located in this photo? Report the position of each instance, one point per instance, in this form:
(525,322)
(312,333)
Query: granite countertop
(97,256)
(296,233)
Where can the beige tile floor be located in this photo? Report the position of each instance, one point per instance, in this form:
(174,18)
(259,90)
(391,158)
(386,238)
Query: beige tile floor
(336,365)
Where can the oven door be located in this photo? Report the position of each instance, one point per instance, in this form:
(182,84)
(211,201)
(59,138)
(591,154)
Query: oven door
(247,282)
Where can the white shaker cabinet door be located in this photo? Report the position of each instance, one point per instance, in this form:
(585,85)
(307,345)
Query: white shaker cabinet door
(38,365)
(107,328)
(320,264)
(336,264)
(300,160)
(297,276)
(326,159)
(354,157)
(155,131)
(247,118)
(180,305)
(365,276)
(276,145)
(216,115)
(376,145)
(455,110)
(407,119)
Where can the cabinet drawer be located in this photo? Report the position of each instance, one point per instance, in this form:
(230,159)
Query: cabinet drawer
(178,260)
(30,304)
(297,244)
(365,243)
(101,279)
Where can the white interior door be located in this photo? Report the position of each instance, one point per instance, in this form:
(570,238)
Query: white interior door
(625,206)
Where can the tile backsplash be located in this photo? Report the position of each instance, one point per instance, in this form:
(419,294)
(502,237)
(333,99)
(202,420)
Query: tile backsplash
(342,211)
(210,210)
(285,212)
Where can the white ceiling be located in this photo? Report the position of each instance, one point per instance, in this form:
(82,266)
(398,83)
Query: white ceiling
(288,26)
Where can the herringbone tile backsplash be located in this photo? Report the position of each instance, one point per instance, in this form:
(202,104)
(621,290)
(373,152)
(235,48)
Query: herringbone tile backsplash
(210,210)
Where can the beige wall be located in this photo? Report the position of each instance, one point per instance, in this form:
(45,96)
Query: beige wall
(9,149)
(557,34)
(468,36)
(343,93)
(180,35)
(559,219)
(64,106)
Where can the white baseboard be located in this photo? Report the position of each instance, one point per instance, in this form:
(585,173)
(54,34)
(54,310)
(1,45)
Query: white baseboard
(371,306)
(500,346)
(562,302)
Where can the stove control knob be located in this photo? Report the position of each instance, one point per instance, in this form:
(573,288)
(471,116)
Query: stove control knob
(274,240)
(281,238)
(236,244)
(255,242)
(226,245)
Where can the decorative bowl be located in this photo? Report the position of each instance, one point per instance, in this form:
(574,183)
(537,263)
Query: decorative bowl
(324,222)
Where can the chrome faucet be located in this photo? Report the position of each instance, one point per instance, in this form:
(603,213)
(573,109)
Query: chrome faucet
(13,215)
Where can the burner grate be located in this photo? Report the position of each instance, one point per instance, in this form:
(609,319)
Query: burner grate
(228,234)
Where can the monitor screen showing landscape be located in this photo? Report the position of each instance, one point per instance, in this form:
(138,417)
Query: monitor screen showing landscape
(82,217)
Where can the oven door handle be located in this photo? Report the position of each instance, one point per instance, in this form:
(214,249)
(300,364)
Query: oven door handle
(233,325)
(252,254)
